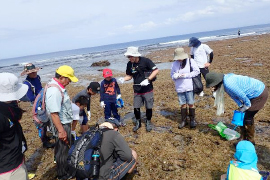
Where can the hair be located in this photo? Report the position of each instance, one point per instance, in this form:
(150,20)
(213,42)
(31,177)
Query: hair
(184,62)
(57,76)
(82,100)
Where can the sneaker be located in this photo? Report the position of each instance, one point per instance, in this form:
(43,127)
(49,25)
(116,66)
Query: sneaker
(201,94)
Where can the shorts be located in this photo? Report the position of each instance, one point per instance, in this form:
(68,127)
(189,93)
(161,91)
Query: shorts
(120,168)
(186,97)
(84,116)
(145,98)
(18,173)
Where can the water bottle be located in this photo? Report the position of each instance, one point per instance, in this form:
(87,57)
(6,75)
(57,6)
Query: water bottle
(95,159)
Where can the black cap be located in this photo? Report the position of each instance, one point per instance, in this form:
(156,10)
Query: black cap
(94,86)
(113,121)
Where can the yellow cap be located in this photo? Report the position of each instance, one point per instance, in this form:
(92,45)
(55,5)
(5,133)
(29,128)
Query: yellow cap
(67,71)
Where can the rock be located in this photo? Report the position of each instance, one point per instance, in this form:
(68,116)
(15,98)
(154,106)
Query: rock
(101,63)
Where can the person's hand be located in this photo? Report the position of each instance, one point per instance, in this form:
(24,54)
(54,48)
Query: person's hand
(121,79)
(62,135)
(89,115)
(144,82)
(102,104)
(176,76)
(243,108)
(206,65)
(182,76)
(118,96)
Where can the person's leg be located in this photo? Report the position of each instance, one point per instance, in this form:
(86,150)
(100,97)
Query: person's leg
(84,126)
(107,110)
(182,102)
(138,102)
(19,173)
(203,73)
(115,111)
(249,125)
(149,102)
(190,102)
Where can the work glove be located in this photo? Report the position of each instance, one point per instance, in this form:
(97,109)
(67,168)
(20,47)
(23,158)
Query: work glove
(102,104)
(176,76)
(144,82)
(118,96)
(121,79)
(243,108)
(89,115)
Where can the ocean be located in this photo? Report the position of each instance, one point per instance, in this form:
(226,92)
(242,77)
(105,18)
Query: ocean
(81,59)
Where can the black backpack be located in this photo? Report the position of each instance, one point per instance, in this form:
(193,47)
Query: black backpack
(83,156)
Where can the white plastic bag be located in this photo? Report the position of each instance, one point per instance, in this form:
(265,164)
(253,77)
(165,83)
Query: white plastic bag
(231,134)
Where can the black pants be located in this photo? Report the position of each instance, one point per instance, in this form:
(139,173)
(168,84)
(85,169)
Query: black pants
(204,71)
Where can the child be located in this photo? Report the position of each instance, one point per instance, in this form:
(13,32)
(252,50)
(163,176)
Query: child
(108,90)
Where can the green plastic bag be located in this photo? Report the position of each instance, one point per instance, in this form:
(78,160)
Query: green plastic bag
(220,127)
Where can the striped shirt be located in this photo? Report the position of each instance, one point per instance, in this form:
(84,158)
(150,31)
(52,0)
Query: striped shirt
(242,88)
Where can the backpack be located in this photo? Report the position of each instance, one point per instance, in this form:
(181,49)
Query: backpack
(33,89)
(39,112)
(83,156)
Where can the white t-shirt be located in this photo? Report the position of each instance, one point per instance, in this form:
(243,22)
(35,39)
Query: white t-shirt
(75,111)
(201,54)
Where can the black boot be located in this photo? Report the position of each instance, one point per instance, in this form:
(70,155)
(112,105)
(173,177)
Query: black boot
(148,125)
(193,123)
(47,144)
(137,125)
(183,122)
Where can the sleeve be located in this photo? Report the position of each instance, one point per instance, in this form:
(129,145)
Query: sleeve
(195,69)
(207,49)
(117,87)
(122,149)
(151,65)
(30,93)
(191,51)
(102,91)
(53,100)
(173,69)
(128,69)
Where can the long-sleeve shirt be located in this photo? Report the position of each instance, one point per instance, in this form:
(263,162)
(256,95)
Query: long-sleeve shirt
(85,94)
(34,86)
(242,88)
(184,84)
(109,90)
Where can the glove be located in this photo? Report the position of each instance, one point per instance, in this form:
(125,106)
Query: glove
(102,104)
(243,108)
(89,115)
(182,76)
(176,75)
(118,96)
(144,82)
(121,79)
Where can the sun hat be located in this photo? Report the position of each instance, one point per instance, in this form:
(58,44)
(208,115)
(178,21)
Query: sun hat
(107,73)
(113,121)
(68,72)
(179,53)
(212,79)
(194,42)
(10,89)
(132,51)
(29,68)
(94,86)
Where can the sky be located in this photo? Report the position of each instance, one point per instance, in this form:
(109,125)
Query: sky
(29,27)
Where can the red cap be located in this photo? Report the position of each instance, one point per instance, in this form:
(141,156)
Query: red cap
(107,73)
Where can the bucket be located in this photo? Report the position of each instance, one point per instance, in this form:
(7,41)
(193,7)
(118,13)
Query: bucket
(238,118)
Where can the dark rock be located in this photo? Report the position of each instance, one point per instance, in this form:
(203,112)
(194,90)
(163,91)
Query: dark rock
(101,63)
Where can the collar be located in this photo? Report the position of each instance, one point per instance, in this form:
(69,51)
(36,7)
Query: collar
(56,80)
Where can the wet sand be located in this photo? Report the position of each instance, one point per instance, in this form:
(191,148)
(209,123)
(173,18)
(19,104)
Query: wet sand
(167,152)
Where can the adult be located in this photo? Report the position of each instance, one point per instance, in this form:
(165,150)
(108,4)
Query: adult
(143,71)
(200,53)
(60,111)
(249,94)
(12,140)
(245,165)
(92,89)
(239,32)
(117,157)
(182,77)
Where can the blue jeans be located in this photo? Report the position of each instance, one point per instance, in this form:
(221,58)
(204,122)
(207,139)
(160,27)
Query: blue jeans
(186,97)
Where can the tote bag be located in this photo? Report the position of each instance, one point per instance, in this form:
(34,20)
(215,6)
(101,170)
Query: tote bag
(197,82)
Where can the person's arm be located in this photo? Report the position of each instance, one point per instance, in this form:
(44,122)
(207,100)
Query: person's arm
(127,77)
(153,74)
(117,87)
(102,91)
(211,56)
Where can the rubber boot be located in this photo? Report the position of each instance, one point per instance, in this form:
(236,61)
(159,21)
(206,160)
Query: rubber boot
(148,125)
(137,125)
(250,132)
(183,122)
(193,123)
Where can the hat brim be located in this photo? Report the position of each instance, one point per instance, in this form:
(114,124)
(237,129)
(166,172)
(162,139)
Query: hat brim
(18,94)
(30,71)
(131,54)
(181,57)
(73,78)
(219,78)
(107,75)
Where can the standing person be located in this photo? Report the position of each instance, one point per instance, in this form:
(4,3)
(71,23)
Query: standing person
(239,32)
(61,115)
(33,82)
(109,93)
(249,94)
(12,140)
(200,52)
(92,89)
(143,71)
(182,77)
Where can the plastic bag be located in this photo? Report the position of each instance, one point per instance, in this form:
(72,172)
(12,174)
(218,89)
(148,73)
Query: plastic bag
(224,131)
(220,127)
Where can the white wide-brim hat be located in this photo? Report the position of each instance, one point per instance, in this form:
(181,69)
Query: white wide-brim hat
(132,51)
(179,53)
(10,89)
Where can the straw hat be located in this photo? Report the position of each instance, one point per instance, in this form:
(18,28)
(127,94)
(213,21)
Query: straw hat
(179,53)
(29,68)
(132,51)
(10,89)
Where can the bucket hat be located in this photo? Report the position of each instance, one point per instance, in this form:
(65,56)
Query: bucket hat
(113,121)
(10,89)
(95,87)
(212,79)
(132,51)
(179,53)
(68,72)
(194,42)
(29,68)
(107,73)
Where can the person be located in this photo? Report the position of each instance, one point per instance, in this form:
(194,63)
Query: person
(109,93)
(239,32)
(118,159)
(79,105)
(182,77)
(200,53)
(245,165)
(143,71)
(92,89)
(60,111)
(249,94)
(33,82)
(12,140)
